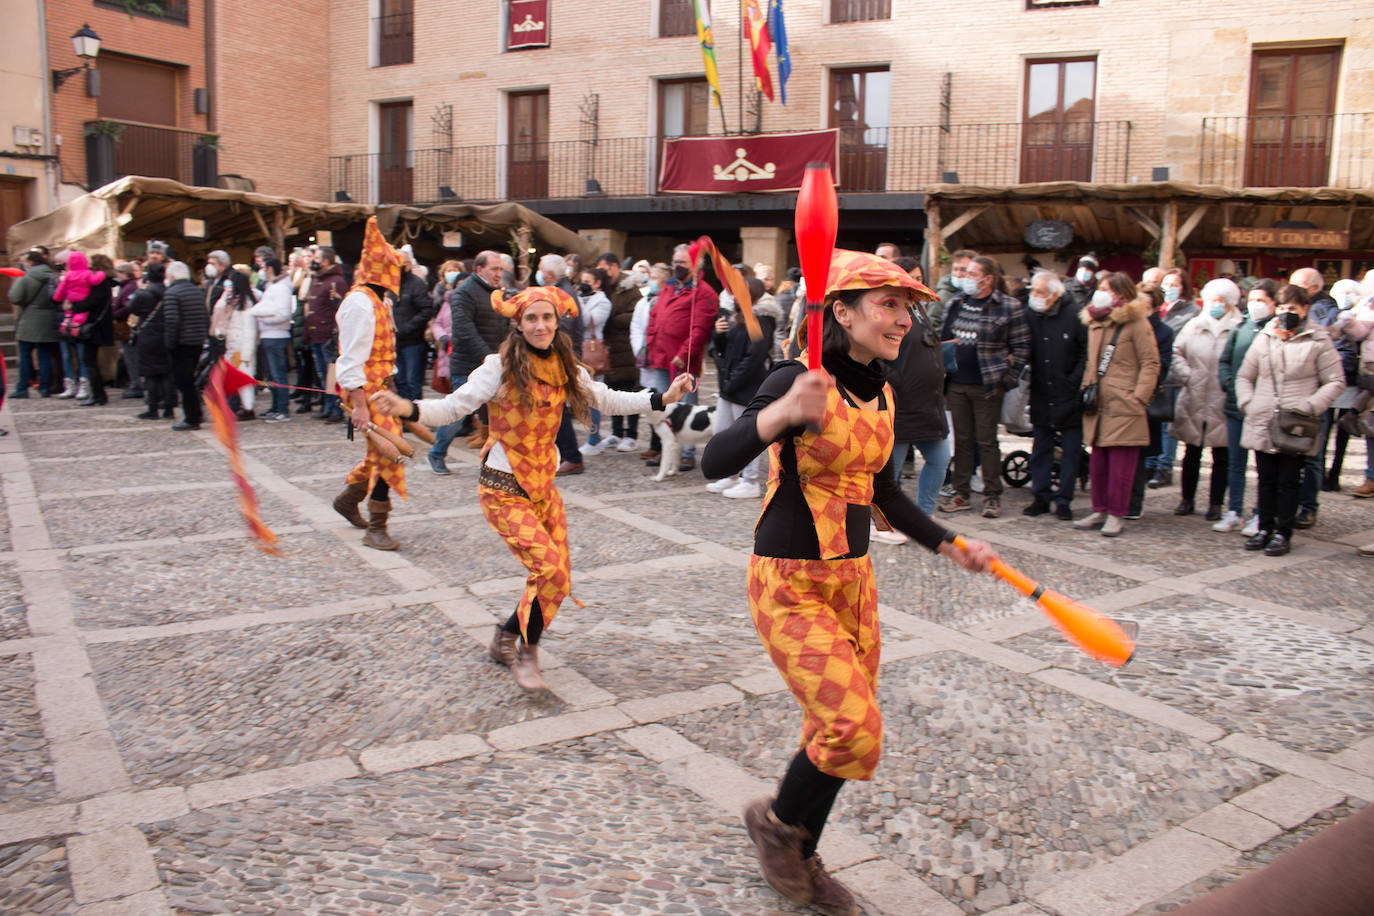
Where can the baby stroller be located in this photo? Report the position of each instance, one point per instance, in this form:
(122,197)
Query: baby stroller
(1016,468)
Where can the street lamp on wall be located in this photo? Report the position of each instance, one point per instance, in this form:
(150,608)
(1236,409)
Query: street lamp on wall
(87,45)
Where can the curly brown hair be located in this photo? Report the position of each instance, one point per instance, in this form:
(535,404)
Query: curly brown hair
(516,373)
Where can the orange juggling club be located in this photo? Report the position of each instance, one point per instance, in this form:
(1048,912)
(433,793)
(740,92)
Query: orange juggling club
(817,221)
(1097,635)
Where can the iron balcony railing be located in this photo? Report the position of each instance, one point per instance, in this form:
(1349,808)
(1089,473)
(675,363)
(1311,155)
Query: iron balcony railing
(117,148)
(395,39)
(895,159)
(1298,151)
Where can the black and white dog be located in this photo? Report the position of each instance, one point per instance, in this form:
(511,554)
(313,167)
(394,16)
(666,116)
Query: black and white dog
(680,425)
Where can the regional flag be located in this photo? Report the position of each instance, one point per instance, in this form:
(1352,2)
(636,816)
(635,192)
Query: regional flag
(779,35)
(708,47)
(756,30)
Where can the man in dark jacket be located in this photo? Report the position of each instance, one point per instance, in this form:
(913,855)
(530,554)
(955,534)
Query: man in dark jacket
(1081,286)
(917,377)
(741,366)
(36,328)
(327,289)
(412,314)
(477,328)
(987,331)
(1322,312)
(1058,350)
(186,323)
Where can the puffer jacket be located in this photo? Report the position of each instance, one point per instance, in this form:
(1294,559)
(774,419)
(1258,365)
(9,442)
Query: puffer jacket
(1058,349)
(413,311)
(1129,382)
(186,322)
(99,306)
(1301,373)
(37,321)
(1200,412)
(1237,345)
(617,336)
(917,377)
(742,364)
(151,335)
(477,328)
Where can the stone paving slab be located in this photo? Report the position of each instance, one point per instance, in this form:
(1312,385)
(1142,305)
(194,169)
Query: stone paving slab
(187,709)
(195,581)
(26,775)
(47,414)
(1334,585)
(34,879)
(135,517)
(1248,862)
(183,465)
(291,457)
(116,441)
(1241,669)
(989,782)
(514,832)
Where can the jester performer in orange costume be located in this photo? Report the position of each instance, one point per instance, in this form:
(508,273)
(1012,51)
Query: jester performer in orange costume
(811,591)
(525,385)
(366,364)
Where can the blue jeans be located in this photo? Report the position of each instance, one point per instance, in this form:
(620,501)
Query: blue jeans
(410,371)
(935,455)
(444,435)
(325,353)
(1070,441)
(1236,460)
(1168,451)
(71,360)
(594,428)
(1314,468)
(274,348)
(45,367)
(662,381)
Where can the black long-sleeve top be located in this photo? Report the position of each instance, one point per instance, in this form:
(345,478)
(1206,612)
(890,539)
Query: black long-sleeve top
(787,529)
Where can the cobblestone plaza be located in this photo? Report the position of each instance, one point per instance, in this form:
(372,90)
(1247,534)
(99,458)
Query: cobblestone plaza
(192,726)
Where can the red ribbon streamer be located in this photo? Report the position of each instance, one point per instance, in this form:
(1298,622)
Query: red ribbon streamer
(223,379)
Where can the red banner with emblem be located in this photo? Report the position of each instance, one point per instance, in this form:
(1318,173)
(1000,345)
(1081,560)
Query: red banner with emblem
(529,25)
(744,163)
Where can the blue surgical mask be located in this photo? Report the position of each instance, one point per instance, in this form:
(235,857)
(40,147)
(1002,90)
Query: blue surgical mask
(539,278)
(1171,293)
(653,287)
(451,277)
(1216,309)
(967,284)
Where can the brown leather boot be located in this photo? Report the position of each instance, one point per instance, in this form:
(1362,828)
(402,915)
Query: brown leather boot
(479,435)
(376,536)
(526,668)
(347,502)
(502,648)
(829,896)
(779,847)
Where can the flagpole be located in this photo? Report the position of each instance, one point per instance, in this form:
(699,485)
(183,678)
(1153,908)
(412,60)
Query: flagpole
(739,65)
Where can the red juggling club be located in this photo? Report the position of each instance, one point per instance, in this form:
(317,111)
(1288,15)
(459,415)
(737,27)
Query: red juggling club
(817,221)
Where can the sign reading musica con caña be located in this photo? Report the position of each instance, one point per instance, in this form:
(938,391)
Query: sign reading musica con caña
(1277,237)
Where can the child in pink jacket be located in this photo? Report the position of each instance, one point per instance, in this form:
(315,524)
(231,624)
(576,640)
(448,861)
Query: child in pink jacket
(75,285)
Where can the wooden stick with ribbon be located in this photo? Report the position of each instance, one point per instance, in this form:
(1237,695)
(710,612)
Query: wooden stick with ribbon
(731,278)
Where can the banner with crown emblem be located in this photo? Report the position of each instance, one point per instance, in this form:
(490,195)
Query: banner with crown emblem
(745,162)
(529,25)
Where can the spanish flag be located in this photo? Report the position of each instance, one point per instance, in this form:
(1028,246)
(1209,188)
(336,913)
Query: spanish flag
(756,31)
(708,47)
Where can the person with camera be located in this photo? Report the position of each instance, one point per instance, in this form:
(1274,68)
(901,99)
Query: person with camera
(1119,379)
(1291,376)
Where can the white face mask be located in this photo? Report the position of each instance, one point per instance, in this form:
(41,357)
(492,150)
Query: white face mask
(1171,293)
(1084,275)
(1259,310)
(968,285)
(211,271)
(1345,300)
(1103,299)
(1039,304)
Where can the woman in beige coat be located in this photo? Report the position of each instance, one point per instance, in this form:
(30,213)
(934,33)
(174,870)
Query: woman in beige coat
(1118,428)
(1200,414)
(1292,365)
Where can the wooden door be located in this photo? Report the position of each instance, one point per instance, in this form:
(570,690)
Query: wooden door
(860,106)
(684,110)
(1058,131)
(14,208)
(1292,117)
(527,159)
(396,168)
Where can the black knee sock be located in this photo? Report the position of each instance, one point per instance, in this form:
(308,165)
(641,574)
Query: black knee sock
(381,492)
(805,797)
(536,624)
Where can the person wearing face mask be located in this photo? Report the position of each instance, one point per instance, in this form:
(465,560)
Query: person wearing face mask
(1179,309)
(1058,348)
(1199,414)
(1260,304)
(414,309)
(327,290)
(991,344)
(1123,362)
(595,308)
(952,284)
(1081,285)
(1323,312)
(658,275)
(1346,294)
(1164,343)
(1291,365)
(679,329)
(477,330)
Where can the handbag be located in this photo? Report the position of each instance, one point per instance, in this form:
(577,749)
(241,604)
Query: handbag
(1161,407)
(595,355)
(1292,432)
(1090,392)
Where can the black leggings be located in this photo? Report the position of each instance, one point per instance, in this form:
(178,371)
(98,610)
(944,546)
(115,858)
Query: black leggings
(1192,471)
(627,426)
(381,492)
(535,628)
(805,797)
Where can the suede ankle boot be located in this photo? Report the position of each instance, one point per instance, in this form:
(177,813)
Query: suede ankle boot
(376,536)
(502,648)
(347,502)
(779,847)
(526,668)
